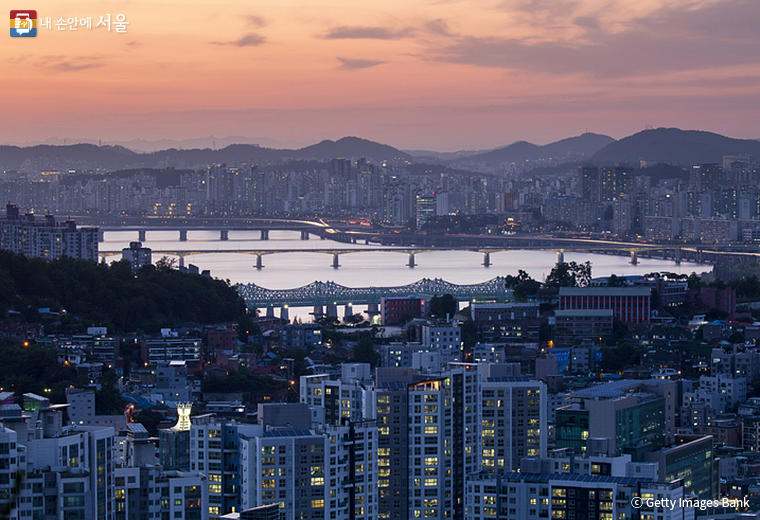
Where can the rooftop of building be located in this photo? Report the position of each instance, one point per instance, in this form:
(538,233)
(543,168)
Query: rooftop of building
(605,291)
(559,477)
(609,390)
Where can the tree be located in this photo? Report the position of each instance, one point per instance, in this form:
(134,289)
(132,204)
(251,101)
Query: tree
(364,352)
(166,263)
(108,400)
(569,275)
(354,319)
(716,314)
(615,359)
(695,282)
(522,285)
(512,281)
(526,289)
(445,305)
(614,281)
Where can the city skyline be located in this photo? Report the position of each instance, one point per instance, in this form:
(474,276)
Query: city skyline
(433,75)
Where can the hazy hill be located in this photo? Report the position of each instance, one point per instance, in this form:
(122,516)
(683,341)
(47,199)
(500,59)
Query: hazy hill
(349,147)
(572,148)
(674,146)
(88,156)
(147,146)
(76,155)
(434,157)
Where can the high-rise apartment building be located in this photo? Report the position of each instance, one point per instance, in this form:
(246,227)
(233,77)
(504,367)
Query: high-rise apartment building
(143,489)
(68,471)
(615,181)
(424,208)
(436,431)
(588,182)
(325,473)
(44,238)
(137,255)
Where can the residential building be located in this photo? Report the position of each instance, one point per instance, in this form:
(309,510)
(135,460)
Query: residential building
(574,325)
(441,336)
(399,310)
(628,304)
(68,470)
(517,496)
(690,459)
(171,348)
(328,472)
(336,400)
(625,414)
(46,238)
(137,255)
(144,489)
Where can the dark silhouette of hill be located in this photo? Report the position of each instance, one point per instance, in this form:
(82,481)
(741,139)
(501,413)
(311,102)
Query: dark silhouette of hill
(573,148)
(674,146)
(76,155)
(88,156)
(350,147)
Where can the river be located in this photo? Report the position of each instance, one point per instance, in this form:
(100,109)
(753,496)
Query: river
(292,270)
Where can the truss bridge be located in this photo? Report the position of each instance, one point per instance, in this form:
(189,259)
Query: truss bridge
(332,294)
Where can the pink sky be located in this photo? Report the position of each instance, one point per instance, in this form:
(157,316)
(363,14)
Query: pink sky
(440,74)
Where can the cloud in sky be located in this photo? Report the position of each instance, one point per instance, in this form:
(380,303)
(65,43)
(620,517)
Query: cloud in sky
(356,64)
(540,69)
(671,39)
(357,32)
(439,26)
(70,64)
(256,21)
(249,40)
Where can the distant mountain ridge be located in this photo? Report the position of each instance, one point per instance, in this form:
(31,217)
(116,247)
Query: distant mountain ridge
(573,148)
(662,145)
(674,146)
(118,157)
(147,146)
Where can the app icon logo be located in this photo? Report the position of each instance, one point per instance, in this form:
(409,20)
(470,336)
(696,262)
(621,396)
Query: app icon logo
(23,24)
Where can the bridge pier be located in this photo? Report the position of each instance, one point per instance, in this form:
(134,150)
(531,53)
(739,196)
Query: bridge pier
(270,312)
(181,261)
(335,263)
(332,311)
(224,234)
(411,260)
(487,259)
(560,257)
(372,310)
(304,235)
(348,310)
(264,234)
(284,313)
(183,235)
(141,235)
(677,256)
(259,262)
(317,312)
(353,240)
(634,258)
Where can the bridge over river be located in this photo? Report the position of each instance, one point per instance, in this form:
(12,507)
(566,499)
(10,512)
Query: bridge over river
(330,294)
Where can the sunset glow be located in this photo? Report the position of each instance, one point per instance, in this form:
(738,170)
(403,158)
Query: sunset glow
(441,75)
